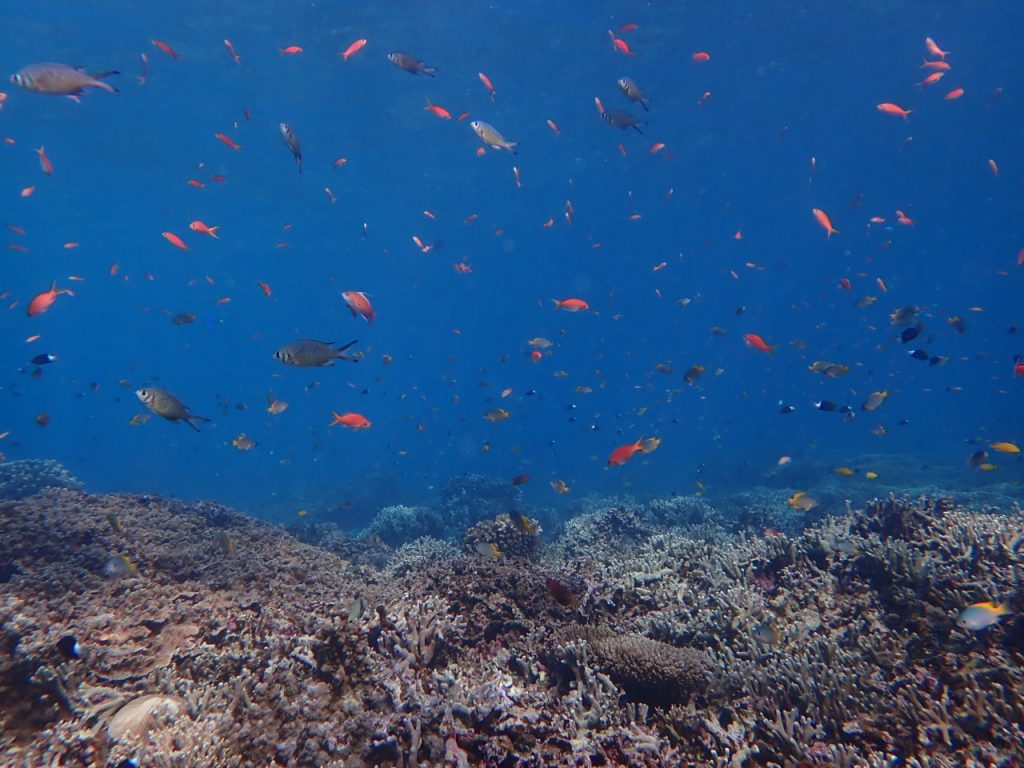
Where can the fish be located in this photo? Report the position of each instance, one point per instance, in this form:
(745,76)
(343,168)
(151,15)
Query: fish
(918,354)
(496,414)
(754,341)
(350,420)
(438,110)
(44,161)
(43,359)
(701,56)
(624,453)
(933,49)
(979,616)
(844,471)
(227,141)
(359,305)
(275,406)
(488,85)
(139,419)
(957,324)
(1004,447)
(911,332)
(955,94)
(904,315)
(571,305)
(411,64)
(824,222)
(524,524)
(163,403)
(166,49)
(291,50)
(492,137)
(174,240)
(43,419)
(203,229)
(119,566)
(55,79)
(871,475)
(559,486)
(865,301)
(41,302)
(309,353)
(650,444)
(69,647)
(293,143)
(765,633)
(889,108)
(353,49)
(225,542)
(520,479)
(693,373)
(540,343)
(874,401)
(243,442)
(632,91)
(487,549)
(184,318)
(231,51)
(618,118)
(800,500)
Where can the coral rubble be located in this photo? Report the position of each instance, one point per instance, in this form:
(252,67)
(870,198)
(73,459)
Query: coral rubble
(644,635)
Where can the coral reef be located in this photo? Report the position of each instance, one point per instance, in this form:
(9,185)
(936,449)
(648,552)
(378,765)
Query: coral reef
(510,539)
(26,477)
(645,635)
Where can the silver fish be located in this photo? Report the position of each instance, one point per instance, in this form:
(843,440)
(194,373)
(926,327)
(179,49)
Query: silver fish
(293,143)
(410,64)
(60,79)
(490,136)
(633,91)
(621,119)
(163,403)
(307,353)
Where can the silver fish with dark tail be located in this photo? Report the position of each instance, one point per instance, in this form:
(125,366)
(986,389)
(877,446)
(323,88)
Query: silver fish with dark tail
(163,403)
(293,143)
(410,64)
(307,353)
(620,119)
(632,91)
(60,79)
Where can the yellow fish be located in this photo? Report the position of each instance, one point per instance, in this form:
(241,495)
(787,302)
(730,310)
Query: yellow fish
(559,486)
(844,471)
(981,616)
(1004,448)
(650,445)
(800,500)
(987,467)
(243,442)
(871,475)
(496,414)
(487,550)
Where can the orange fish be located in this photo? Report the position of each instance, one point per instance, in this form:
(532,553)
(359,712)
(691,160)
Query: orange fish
(44,162)
(227,140)
(43,301)
(231,49)
(553,126)
(166,49)
(655,148)
(956,93)
(462,267)
(487,84)
(195,183)
(826,223)
(536,355)
(359,305)
(933,49)
(934,77)
(619,45)
(291,50)
(265,288)
(350,420)
(198,226)
(438,110)
(942,66)
(353,49)
(624,453)
(571,305)
(994,167)
(27,191)
(893,109)
(174,240)
(701,56)
(754,341)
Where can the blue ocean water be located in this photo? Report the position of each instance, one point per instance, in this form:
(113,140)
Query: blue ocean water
(787,81)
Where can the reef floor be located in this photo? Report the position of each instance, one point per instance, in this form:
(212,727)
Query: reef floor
(139,631)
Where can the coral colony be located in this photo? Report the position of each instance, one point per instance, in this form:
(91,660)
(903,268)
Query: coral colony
(144,632)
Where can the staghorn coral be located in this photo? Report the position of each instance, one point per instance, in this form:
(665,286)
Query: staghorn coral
(22,478)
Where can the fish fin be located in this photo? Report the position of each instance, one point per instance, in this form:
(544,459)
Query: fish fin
(429,71)
(512,147)
(105,73)
(643,103)
(637,126)
(213,232)
(189,419)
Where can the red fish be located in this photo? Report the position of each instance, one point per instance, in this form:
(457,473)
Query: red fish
(520,479)
(619,45)
(350,420)
(44,300)
(359,305)
(624,453)
(227,140)
(231,49)
(174,240)
(756,342)
(265,287)
(933,49)
(438,110)
(487,84)
(893,109)
(826,223)
(203,229)
(553,126)
(166,49)
(956,93)
(291,50)
(353,49)
(571,305)
(44,161)
(701,56)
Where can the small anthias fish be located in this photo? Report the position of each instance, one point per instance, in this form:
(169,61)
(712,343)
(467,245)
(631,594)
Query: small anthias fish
(492,137)
(293,143)
(410,64)
(496,414)
(350,420)
(359,305)
(59,79)
(874,400)
(981,616)
(119,566)
(163,403)
(309,353)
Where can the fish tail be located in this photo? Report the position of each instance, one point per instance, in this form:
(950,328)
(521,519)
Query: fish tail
(213,232)
(512,147)
(189,421)
(429,71)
